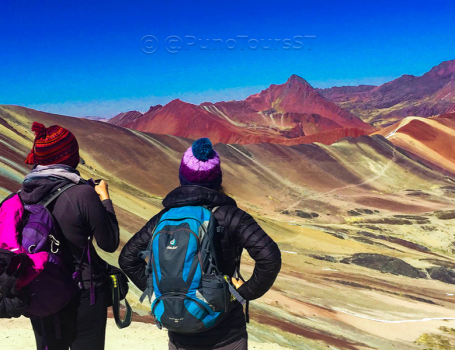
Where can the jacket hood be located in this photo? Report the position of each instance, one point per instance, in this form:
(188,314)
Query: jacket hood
(197,196)
(35,190)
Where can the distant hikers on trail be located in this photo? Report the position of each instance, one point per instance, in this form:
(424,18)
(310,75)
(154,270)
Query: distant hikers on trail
(49,268)
(186,260)
(189,255)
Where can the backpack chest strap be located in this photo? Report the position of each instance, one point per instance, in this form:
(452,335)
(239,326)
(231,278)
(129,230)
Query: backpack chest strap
(149,290)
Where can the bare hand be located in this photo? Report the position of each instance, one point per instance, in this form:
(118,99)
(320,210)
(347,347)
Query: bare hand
(102,190)
(237,283)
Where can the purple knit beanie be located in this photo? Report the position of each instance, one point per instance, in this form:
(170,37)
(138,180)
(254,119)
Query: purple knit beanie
(201,166)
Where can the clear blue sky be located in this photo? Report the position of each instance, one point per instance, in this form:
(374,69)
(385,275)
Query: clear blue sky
(84,58)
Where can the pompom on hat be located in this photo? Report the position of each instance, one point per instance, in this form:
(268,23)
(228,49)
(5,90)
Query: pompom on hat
(201,165)
(53,145)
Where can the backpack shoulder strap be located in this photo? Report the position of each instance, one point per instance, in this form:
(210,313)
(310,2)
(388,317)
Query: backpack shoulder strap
(54,195)
(221,223)
(148,253)
(77,275)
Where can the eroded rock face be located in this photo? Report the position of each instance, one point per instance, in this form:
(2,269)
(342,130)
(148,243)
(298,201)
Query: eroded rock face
(324,258)
(384,263)
(302,214)
(360,211)
(445,215)
(390,221)
(442,274)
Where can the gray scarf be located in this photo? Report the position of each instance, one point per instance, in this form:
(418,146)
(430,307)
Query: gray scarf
(57,170)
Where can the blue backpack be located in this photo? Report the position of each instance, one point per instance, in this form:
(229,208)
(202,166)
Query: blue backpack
(192,295)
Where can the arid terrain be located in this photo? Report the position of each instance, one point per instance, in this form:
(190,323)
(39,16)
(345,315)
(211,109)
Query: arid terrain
(365,225)
(138,336)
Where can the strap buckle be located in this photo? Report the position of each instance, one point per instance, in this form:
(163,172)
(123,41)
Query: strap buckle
(54,242)
(234,292)
(148,292)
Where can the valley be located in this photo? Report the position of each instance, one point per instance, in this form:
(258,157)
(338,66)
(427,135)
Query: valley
(366,224)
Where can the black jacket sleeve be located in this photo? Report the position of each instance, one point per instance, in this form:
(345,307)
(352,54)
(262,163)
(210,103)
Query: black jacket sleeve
(3,312)
(108,242)
(100,216)
(13,306)
(129,260)
(262,249)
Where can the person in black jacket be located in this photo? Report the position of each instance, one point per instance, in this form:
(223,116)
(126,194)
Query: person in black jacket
(81,212)
(201,178)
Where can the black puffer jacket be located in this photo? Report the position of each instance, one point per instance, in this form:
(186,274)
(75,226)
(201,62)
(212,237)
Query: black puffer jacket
(12,306)
(241,231)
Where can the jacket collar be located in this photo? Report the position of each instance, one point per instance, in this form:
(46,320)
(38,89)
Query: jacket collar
(197,196)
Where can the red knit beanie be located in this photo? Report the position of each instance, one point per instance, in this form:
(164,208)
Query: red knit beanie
(53,145)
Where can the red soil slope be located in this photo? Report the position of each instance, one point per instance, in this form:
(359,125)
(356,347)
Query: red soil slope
(433,139)
(183,119)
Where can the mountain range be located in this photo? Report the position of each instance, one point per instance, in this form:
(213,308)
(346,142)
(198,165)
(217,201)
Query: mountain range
(295,113)
(423,96)
(290,113)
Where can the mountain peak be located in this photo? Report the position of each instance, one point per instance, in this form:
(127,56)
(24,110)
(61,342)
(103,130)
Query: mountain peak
(154,108)
(178,102)
(446,67)
(294,79)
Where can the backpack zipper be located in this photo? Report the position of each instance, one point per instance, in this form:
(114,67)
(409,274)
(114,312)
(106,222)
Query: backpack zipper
(50,237)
